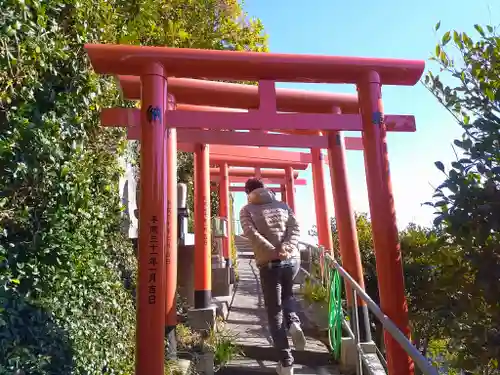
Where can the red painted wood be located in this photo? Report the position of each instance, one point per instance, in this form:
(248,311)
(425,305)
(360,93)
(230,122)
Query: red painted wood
(251,66)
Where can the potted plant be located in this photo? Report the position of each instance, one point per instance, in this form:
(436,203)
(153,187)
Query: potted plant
(316,298)
(210,350)
(197,346)
(222,343)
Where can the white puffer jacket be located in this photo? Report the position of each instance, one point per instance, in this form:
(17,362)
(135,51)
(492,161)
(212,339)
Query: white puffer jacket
(270,225)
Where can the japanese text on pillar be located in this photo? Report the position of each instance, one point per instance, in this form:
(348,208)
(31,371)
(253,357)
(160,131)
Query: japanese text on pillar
(153,259)
(169,235)
(206,214)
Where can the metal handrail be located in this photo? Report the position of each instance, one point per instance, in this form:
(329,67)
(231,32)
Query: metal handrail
(421,361)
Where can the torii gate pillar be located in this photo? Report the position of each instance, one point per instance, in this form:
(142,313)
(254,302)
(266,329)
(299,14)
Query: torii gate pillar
(346,227)
(321,206)
(290,188)
(202,240)
(385,233)
(224,210)
(152,229)
(283,193)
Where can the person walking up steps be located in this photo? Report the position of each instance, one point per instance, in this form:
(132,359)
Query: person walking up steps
(273,231)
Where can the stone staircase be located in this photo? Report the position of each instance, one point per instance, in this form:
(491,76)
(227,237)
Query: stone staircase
(243,245)
(247,319)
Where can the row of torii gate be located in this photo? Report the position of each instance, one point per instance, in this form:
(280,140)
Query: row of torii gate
(187,112)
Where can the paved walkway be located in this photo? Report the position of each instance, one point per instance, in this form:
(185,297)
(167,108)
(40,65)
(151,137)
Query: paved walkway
(248,320)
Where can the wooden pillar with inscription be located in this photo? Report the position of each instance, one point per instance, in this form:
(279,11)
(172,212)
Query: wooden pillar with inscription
(170,163)
(151,273)
(202,241)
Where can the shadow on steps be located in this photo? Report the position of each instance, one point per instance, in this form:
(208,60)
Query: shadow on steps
(270,368)
(241,370)
(307,358)
(247,255)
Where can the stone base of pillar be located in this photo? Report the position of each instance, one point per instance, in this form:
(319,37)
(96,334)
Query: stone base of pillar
(179,366)
(222,304)
(300,279)
(185,273)
(232,276)
(348,354)
(305,263)
(202,319)
(204,363)
(171,343)
(221,282)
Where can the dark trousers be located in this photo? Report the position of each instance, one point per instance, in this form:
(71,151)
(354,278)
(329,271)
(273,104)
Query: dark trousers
(276,280)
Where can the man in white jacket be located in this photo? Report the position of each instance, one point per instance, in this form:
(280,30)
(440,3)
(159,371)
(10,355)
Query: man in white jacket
(273,231)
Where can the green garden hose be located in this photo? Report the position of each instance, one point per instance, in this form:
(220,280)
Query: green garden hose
(335,313)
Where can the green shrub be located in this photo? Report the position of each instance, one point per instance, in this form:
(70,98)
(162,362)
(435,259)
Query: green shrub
(44,348)
(314,292)
(66,271)
(63,261)
(219,340)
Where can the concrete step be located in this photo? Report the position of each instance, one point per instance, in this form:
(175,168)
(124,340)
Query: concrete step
(243,247)
(305,357)
(246,366)
(246,254)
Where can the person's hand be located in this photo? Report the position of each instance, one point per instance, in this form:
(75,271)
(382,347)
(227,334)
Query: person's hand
(283,255)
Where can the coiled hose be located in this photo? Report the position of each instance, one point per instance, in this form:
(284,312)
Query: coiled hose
(335,312)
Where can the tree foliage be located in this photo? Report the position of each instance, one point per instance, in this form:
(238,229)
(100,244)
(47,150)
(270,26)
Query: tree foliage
(64,307)
(467,203)
(427,273)
(209,24)
(452,272)
(65,269)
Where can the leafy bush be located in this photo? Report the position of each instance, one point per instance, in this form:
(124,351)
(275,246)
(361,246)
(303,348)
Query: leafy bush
(466,203)
(314,292)
(47,347)
(63,305)
(66,271)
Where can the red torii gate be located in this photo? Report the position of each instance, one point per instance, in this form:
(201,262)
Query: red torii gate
(258,157)
(224,172)
(251,172)
(153,63)
(208,95)
(215,93)
(224,94)
(265,180)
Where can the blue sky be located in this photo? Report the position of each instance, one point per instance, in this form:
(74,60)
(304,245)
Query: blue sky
(384,28)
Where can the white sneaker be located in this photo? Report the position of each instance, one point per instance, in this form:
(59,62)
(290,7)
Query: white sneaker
(298,338)
(280,370)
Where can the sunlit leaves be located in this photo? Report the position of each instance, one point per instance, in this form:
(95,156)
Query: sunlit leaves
(480,30)
(446,38)
(467,203)
(66,272)
(58,211)
(429,269)
(439,166)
